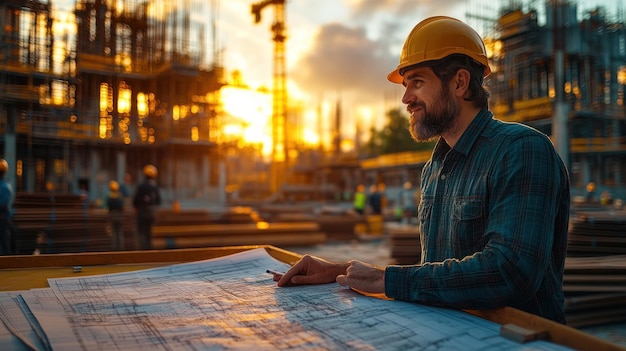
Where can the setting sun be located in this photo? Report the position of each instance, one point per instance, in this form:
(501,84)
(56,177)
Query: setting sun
(247,115)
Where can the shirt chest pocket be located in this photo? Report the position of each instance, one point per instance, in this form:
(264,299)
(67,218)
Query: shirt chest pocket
(468,216)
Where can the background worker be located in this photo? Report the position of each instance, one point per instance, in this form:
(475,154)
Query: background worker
(115,204)
(495,196)
(6,201)
(374,200)
(146,201)
(360,199)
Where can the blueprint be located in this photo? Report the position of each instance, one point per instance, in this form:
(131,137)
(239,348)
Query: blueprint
(17,330)
(231,303)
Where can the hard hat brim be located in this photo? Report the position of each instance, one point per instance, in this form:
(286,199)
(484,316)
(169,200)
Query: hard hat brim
(436,38)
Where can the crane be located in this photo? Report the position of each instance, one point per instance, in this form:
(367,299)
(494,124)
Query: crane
(279,93)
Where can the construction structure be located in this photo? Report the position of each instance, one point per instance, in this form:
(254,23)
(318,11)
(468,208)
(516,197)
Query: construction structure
(89,95)
(280,154)
(93,95)
(566,77)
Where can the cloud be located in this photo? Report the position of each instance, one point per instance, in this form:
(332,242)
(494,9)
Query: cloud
(405,8)
(357,57)
(396,18)
(342,59)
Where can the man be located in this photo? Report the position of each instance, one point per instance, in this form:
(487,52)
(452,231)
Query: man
(374,200)
(6,199)
(146,201)
(115,204)
(495,196)
(359,199)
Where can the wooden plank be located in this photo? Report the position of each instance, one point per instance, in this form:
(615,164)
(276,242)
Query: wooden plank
(234,229)
(278,239)
(558,333)
(133,257)
(596,316)
(28,272)
(594,299)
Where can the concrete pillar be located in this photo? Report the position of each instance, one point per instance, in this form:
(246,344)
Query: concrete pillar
(67,176)
(221,186)
(586,171)
(121,167)
(560,128)
(94,166)
(167,176)
(10,153)
(28,167)
(205,175)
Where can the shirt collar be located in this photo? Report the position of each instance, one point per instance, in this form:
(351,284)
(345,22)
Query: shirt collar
(468,138)
(475,128)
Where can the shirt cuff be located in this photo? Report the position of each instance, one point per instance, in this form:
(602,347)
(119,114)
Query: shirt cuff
(397,283)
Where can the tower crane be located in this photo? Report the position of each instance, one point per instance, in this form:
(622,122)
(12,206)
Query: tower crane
(279,93)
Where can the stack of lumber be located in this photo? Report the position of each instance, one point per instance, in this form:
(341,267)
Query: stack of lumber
(232,215)
(338,223)
(56,223)
(238,215)
(260,233)
(169,217)
(275,212)
(339,227)
(595,290)
(597,233)
(404,243)
(595,269)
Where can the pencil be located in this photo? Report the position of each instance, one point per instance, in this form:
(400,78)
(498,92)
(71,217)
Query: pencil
(274,272)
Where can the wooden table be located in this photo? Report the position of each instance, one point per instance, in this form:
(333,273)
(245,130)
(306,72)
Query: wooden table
(27,272)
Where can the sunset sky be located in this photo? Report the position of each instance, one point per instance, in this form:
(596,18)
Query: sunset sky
(361,38)
(343,48)
(336,49)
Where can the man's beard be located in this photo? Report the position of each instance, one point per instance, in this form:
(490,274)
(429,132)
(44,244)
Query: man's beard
(436,120)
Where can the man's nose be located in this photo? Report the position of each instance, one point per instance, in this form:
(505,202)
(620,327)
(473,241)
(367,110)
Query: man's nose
(407,97)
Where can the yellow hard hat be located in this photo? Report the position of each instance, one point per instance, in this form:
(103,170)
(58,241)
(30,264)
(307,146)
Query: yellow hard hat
(114,186)
(150,171)
(437,37)
(4,165)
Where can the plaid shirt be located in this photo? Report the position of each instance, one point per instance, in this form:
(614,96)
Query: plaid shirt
(493,222)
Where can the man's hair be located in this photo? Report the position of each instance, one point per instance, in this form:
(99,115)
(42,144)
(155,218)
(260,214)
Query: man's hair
(446,68)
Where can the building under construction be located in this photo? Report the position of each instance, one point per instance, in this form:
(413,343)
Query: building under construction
(567,78)
(573,68)
(90,95)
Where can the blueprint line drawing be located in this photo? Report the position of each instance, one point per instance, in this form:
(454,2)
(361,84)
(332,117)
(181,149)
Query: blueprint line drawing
(232,303)
(18,327)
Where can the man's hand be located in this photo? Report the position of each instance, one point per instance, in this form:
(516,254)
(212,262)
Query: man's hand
(363,277)
(311,270)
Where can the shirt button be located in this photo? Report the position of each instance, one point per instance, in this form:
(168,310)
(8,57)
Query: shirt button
(443,177)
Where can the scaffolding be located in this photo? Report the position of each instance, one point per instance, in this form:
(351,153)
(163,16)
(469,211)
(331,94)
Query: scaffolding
(97,92)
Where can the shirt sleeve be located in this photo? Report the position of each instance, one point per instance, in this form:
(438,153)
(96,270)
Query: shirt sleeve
(523,188)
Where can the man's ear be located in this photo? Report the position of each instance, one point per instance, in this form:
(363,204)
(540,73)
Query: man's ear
(461,82)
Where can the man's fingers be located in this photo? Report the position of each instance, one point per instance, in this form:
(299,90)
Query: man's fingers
(304,280)
(342,280)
